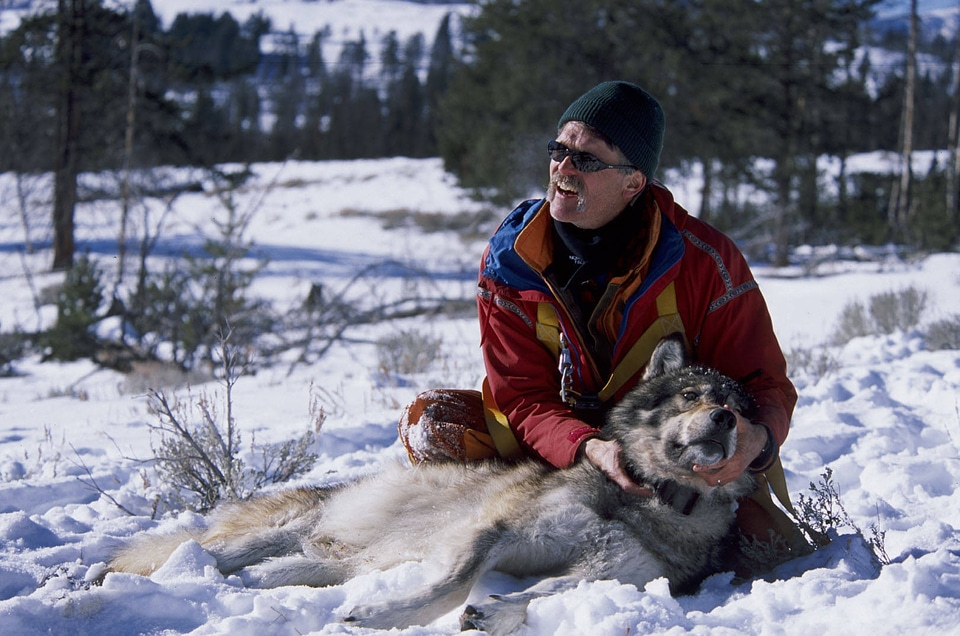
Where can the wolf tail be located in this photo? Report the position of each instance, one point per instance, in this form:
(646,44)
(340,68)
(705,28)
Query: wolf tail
(147,552)
(238,534)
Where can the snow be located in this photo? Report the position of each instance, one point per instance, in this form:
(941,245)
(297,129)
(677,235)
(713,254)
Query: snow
(340,21)
(75,439)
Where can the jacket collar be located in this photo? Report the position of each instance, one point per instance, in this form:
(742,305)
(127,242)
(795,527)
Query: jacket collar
(535,242)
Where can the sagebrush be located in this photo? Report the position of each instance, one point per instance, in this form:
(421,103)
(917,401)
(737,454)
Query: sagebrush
(199,452)
(816,362)
(944,334)
(407,352)
(883,313)
(823,512)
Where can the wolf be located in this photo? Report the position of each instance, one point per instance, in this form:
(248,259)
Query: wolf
(523,519)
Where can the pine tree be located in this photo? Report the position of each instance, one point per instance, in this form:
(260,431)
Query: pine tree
(317,96)
(438,81)
(287,96)
(356,117)
(404,126)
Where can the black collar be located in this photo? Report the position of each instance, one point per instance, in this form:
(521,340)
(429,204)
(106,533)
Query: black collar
(681,498)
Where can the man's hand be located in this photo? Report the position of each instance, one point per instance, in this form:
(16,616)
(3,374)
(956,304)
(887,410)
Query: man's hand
(605,455)
(751,438)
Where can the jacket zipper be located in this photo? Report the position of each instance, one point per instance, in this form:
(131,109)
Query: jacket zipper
(592,365)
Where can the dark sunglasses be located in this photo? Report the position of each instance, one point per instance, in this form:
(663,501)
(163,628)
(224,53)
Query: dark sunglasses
(582,161)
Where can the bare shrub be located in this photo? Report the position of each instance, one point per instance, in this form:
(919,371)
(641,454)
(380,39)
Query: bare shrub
(814,362)
(944,334)
(888,312)
(407,352)
(328,315)
(853,323)
(759,555)
(823,512)
(900,310)
(46,460)
(199,450)
(155,374)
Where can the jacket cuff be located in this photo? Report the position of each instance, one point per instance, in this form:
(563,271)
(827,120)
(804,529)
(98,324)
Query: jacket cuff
(766,457)
(578,437)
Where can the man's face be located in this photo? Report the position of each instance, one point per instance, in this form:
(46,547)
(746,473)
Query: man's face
(589,199)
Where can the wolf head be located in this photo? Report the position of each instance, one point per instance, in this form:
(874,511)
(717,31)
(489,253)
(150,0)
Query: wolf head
(677,416)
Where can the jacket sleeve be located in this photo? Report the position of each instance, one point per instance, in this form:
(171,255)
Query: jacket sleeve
(731,330)
(524,378)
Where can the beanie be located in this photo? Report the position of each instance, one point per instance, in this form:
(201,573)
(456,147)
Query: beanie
(631,118)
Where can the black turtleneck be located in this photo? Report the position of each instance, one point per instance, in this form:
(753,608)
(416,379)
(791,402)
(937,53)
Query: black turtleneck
(591,255)
(585,260)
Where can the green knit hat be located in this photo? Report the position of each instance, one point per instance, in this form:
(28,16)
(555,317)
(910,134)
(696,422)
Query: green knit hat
(628,116)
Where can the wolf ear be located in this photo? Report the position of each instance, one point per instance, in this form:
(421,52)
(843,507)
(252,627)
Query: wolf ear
(669,355)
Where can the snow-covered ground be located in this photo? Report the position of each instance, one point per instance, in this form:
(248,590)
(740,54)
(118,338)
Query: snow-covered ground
(341,21)
(75,439)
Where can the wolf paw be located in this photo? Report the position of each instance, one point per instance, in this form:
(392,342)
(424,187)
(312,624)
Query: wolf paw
(365,617)
(472,618)
(389,615)
(495,617)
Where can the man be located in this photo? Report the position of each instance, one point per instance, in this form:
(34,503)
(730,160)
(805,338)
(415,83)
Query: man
(576,289)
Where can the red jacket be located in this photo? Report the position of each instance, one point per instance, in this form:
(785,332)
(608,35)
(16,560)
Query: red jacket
(724,316)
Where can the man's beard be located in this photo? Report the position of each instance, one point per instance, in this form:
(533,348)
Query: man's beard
(568,184)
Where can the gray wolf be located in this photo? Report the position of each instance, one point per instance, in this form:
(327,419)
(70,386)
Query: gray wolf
(523,519)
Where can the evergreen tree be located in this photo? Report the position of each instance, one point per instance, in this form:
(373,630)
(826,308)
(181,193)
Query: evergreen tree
(91,85)
(26,98)
(403,126)
(207,128)
(356,117)
(802,44)
(287,93)
(438,81)
(710,120)
(204,48)
(787,80)
(527,61)
(845,130)
(157,117)
(317,96)
(245,134)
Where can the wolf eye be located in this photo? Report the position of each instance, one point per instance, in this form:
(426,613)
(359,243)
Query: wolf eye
(690,396)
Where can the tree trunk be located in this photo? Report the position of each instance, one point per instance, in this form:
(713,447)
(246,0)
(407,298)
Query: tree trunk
(953,137)
(706,211)
(898,211)
(784,212)
(69,59)
(128,152)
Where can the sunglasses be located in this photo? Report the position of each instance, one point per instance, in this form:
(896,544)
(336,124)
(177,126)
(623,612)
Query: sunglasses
(582,161)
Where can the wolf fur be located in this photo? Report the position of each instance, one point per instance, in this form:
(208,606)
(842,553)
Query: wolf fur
(523,519)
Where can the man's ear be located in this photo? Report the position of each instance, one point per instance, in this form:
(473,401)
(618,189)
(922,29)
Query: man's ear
(634,184)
